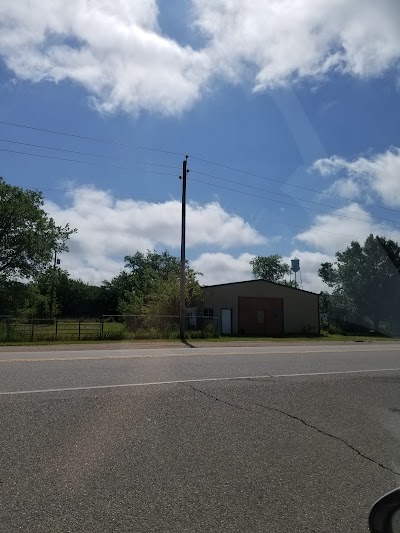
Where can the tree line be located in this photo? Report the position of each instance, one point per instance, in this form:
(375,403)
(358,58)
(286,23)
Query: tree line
(363,283)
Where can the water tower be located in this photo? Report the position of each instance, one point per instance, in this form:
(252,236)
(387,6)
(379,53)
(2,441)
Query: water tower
(295,267)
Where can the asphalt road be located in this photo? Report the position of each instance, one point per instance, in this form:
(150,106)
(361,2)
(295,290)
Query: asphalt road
(218,439)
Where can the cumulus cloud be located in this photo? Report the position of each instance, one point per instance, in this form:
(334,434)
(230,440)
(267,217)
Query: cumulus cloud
(114,48)
(118,52)
(290,39)
(379,173)
(334,231)
(109,229)
(223,268)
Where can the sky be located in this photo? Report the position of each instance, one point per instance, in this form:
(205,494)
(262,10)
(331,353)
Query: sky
(287,109)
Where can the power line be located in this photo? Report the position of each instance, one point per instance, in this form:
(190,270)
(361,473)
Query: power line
(221,165)
(279,201)
(294,198)
(248,173)
(289,196)
(85,162)
(169,174)
(86,138)
(85,153)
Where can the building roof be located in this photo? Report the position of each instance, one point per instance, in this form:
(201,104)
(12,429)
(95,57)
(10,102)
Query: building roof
(264,281)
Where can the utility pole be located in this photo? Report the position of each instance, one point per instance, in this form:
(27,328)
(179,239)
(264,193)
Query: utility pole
(53,284)
(53,280)
(182,318)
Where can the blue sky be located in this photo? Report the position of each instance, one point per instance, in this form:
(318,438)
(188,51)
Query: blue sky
(304,110)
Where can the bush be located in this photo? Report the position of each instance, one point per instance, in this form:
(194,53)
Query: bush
(335,330)
(117,335)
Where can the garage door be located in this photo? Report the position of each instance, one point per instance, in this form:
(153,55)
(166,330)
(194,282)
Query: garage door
(262,317)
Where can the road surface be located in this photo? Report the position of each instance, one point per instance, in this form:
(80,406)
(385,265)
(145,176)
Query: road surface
(299,438)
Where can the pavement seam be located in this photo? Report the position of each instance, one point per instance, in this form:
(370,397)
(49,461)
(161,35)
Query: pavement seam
(298,419)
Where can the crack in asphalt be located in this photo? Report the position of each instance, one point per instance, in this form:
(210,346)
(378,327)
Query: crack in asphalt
(215,398)
(298,419)
(327,434)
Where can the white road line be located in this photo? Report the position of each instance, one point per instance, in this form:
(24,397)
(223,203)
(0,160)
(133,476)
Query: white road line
(200,380)
(188,354)
(338,372)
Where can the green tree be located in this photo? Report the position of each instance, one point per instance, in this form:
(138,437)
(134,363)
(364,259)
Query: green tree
(72,298)
(36,304)
(269,268)
(12,297)
(150,284)
(366,281)
(166,299)
(28,236)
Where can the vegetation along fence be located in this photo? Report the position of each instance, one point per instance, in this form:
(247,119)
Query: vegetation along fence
(109,327)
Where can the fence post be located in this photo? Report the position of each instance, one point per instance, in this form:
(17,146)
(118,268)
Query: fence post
(56,327)
(79,329)
(32,329)
(102,327)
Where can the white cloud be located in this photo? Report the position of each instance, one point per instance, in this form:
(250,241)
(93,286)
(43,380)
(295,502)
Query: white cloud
(223,268)
(379,173)
(291,39)
(114,48)
(109,229)
(334,231)
(345,187)
(118,52)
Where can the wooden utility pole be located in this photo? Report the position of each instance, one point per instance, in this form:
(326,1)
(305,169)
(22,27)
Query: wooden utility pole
(182,318)
(53,288)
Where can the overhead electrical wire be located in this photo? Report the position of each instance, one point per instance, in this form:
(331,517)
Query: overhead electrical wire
(85,162)
(227,167)
(167,174)
(282,202)
(259,176)
(55,148)
(87,138)
(207,161)
(207,183)
(288,196)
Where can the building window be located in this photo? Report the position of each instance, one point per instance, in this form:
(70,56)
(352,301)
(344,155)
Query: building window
(208,311)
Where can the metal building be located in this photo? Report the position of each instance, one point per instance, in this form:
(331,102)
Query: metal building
(262,308)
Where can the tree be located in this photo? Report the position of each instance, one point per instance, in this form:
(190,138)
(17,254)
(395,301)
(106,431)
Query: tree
(269,268)
(166,300)
(28,236)
(12,297)
(365,281)
(71,297)
(150,284)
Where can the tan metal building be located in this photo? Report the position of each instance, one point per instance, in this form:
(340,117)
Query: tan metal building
(262,308)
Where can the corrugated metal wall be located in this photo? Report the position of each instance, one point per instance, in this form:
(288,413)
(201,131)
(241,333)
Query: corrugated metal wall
(300,308)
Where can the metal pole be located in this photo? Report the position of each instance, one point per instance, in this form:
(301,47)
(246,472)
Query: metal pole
(183,254)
